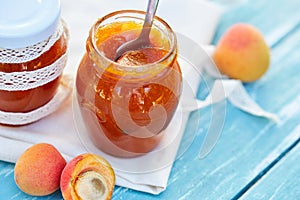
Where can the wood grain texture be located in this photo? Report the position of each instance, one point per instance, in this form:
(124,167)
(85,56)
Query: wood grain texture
(287,171)
(254,158)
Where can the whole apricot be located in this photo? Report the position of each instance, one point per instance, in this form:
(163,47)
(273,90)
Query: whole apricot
(37,171)
(242,53)
(87,176)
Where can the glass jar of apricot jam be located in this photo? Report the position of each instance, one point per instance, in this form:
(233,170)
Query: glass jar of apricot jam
(33,46)
(127,102)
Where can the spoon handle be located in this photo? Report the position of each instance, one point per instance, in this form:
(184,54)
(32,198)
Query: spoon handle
(151,10)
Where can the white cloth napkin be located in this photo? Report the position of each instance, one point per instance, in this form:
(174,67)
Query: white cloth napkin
(147,173)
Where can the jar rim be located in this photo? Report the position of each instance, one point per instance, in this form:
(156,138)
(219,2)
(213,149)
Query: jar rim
(173,40)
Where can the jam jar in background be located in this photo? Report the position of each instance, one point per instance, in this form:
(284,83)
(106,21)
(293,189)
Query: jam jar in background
(126,103)
(33,54)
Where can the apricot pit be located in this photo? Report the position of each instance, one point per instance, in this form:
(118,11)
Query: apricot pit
(87,176)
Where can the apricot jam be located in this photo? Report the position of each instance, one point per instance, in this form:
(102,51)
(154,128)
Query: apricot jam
(127,103)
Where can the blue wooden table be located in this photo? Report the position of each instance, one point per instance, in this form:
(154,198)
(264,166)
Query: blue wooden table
(254,158)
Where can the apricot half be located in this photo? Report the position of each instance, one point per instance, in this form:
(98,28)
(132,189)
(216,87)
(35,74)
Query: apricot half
(242,53)
(37,171)
(87,176)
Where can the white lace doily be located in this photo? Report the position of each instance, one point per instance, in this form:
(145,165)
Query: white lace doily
(29,53)
(63,92)
(16,81)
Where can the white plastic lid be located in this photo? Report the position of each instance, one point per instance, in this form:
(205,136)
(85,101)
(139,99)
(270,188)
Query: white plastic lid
(26,22)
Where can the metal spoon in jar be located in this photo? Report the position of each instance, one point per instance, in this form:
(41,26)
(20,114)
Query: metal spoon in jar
(143,40)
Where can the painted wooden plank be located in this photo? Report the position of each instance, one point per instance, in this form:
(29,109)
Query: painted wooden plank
(287,171)
(275,19)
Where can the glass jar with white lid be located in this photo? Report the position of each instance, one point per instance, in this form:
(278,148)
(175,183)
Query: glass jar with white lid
(33,54)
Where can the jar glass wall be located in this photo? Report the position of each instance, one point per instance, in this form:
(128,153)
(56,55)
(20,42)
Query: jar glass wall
(125,104)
